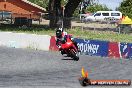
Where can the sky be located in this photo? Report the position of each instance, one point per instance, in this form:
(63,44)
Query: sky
(112,4)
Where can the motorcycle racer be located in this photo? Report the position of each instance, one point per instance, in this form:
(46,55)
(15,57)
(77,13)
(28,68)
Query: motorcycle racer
(61,35)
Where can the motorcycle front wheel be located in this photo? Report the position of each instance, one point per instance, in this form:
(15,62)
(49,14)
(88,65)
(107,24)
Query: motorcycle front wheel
(75,55)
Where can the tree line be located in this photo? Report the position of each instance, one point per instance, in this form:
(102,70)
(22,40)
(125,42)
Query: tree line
(72,8)
(126,8)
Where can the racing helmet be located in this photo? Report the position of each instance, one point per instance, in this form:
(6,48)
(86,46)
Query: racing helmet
(59,32)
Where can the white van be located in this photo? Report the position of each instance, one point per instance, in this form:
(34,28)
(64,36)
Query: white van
(103,15)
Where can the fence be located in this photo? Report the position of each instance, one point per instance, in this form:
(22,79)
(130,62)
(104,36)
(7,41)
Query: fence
(106,25)
(29,16)
(109,24)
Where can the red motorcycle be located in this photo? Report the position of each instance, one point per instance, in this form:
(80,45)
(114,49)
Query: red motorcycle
(70,49)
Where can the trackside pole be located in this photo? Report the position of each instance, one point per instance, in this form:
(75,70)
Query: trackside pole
(63,17)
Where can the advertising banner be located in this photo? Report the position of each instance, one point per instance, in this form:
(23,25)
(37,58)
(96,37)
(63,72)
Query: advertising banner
(53,46)
(125,50)
(129,50)
(113,50)
(93,47)
(99,48)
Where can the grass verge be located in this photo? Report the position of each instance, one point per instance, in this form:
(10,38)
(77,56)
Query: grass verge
(87,34)
(102,35)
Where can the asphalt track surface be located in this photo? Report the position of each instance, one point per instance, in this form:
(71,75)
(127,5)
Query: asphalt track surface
(24,68)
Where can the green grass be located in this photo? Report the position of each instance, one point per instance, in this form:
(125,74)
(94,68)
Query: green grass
(102,35)
(35,30)
(89,34)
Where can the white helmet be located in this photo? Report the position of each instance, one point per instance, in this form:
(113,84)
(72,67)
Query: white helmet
(61,29)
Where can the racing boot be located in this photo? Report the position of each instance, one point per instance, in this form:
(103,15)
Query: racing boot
(62,51)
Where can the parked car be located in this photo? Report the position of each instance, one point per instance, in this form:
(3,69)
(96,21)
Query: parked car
(104,16)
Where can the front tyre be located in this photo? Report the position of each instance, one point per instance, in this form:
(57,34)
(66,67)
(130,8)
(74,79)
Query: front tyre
(75,55)
(76,58)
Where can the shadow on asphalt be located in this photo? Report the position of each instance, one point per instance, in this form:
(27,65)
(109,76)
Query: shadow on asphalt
(66,59)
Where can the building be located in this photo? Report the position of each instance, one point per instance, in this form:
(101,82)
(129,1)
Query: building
(21,8)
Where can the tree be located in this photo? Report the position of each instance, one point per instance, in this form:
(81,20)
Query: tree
(126,8)
(98,7)
(56,12)
(42,3)
(69,11)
